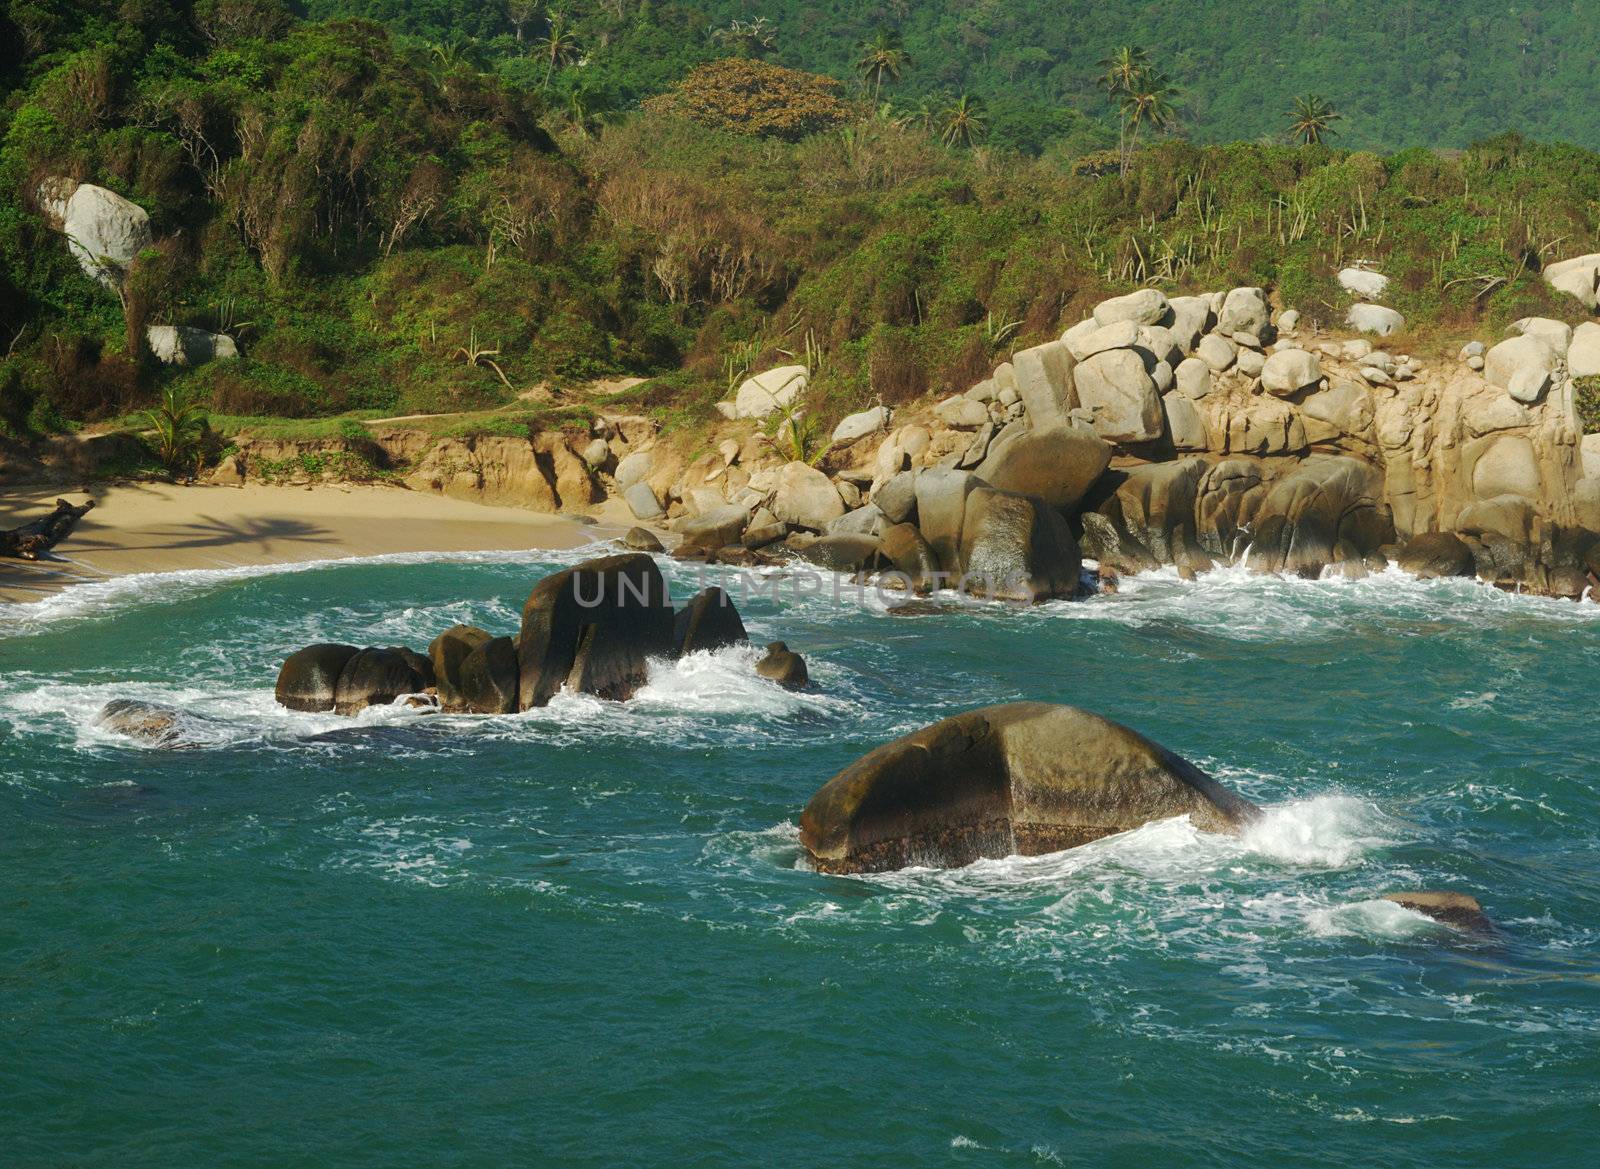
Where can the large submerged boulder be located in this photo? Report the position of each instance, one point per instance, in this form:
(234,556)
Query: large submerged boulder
(377,676)
(593,628)
(310,677)
(152,723)
(1022,778)
(708,622)
(446,653)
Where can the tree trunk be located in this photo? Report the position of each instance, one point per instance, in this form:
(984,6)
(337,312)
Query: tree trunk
(31,540)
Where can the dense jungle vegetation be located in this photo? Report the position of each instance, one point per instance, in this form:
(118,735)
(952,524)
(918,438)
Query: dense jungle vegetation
(401,206)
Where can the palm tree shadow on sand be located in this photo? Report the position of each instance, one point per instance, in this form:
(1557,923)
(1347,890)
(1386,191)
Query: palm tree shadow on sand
(209,532)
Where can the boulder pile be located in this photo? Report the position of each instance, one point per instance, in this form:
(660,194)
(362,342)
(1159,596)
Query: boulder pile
(1187,431)
(1159,430)
(592,629)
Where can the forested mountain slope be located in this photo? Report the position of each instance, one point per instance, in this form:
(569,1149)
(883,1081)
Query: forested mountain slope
(1409,73)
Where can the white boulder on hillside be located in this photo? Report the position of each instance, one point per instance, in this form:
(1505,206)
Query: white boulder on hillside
(1556,334)
(1583,354)
(1191,317)
(1363,283)
(1289,371)
(1523,366)
(1085,343)
(1244,311)
(1579,277)
(806,498)
(1374,318)
(181,345)
(857,426)
(1148,306)
(1118,389)
(1043,379)
(769,392)
(105,233)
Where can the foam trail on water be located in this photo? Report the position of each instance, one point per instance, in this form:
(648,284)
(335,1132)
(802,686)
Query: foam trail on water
(102,597)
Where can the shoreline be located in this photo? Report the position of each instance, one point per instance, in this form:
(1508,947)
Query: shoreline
(141,528)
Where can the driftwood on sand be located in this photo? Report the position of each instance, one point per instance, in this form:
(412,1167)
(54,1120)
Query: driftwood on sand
(32,540)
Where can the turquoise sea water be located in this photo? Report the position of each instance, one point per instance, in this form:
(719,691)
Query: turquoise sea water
(583,937)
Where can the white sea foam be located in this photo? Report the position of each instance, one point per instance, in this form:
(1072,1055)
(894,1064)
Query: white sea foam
(1325,832)
(1233,602)
(1377,920)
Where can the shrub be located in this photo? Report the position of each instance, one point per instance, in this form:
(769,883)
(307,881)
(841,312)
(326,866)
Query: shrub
(748,96)
(1586,397)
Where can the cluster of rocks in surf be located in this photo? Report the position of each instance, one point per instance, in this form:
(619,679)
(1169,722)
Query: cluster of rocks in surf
(591,629)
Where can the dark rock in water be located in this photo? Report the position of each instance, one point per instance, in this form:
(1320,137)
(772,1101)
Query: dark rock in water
(1432,555)
(310,676)
(786,668)
(1022,778)
(1225,506)
(1457,909)
(1017,548)
(1145,517)
(843,553)
(487,678)
(740,556)
(149,722)
(920,609)
(376,677)
(593,628)
(419,663)
(642,540)
(1056,463)
(709,621)
(446,653)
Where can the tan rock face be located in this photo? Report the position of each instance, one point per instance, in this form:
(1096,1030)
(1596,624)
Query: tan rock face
(1043,378)
(1059,464)
(1118,388)
(806,498)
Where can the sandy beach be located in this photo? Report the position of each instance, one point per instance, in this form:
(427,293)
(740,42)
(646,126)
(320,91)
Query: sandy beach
(161,527)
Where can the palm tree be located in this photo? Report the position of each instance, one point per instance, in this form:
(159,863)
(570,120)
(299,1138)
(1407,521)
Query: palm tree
(882,58)
(962,122)
(179,423)
(559,45)
(1312,119)
(1121,68)
(1151,101)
